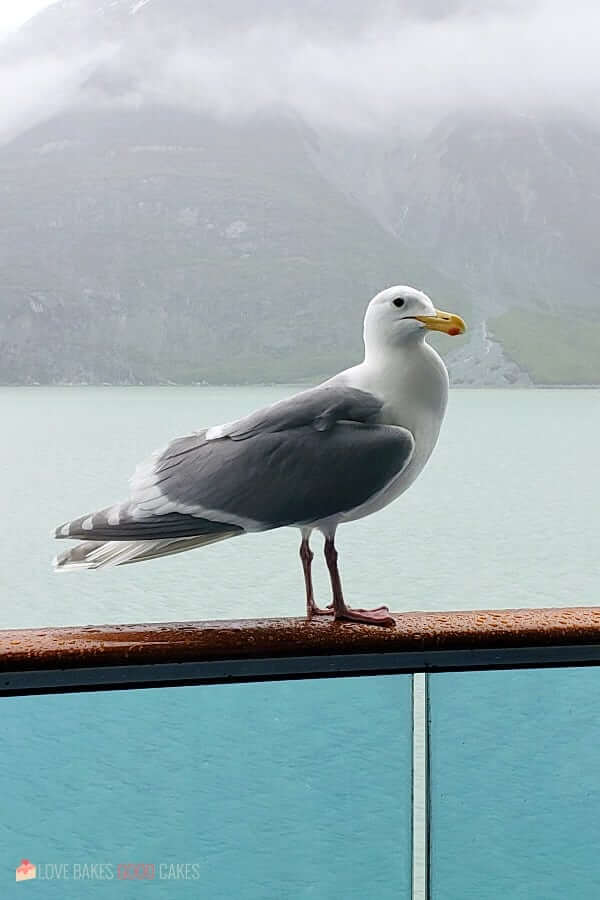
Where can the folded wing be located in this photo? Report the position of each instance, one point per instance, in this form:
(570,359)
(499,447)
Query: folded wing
(299,461)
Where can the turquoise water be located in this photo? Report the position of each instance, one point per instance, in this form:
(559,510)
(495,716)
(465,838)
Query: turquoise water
(302,789)
(505,514)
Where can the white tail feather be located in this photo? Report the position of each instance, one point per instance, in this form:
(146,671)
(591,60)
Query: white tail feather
(97,554)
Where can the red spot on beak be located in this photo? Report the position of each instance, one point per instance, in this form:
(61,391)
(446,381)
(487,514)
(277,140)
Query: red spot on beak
(454,331)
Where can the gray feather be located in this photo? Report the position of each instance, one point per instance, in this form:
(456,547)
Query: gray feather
(298,461)
(287,477)
(96,527)
(321,407)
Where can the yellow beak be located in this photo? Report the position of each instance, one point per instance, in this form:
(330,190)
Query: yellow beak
(443,321)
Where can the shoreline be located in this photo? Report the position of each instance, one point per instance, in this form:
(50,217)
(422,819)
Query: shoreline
(294,383)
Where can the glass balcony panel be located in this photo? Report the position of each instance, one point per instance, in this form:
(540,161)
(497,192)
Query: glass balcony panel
(298,789)
(515,795)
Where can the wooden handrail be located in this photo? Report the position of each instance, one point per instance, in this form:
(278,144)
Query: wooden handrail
(37,660)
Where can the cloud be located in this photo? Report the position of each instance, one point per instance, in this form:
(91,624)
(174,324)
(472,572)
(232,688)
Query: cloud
(336,65)
(36,88)
(393,70)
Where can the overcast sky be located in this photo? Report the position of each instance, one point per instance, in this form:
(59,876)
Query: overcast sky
(376,66)
(14,12)
(383,65)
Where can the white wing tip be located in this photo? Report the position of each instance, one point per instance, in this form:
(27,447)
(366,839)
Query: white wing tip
(61,566)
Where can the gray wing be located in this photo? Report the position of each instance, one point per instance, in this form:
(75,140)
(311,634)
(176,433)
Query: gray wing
(296,462)
(320,407)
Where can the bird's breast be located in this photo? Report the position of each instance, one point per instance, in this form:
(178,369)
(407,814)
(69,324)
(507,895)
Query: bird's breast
(415,396)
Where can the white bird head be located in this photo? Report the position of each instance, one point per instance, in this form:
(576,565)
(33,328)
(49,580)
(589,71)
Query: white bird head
(400,313)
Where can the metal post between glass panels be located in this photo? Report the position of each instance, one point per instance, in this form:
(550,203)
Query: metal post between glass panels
(420,784)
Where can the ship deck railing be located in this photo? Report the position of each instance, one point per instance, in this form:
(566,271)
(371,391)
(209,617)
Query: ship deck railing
(528,734)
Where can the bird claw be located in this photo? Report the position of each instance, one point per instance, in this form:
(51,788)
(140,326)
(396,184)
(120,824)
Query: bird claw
(379,616)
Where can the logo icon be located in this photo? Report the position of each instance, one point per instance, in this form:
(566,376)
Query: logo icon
(25,871)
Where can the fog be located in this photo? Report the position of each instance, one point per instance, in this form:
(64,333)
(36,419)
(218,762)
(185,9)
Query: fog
(342,67)
(35,89)
(398,71)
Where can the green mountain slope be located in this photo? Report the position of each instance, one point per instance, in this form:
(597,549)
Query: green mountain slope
(554,349)
(156,245)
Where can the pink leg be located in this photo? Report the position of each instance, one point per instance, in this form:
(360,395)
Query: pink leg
(306,555)
(379,616)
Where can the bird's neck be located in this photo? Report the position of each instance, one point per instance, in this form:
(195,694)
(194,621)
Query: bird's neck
(411,378)
(396,358)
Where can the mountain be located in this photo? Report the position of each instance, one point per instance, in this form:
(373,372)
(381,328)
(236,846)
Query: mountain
(508,205)
(148,235)
(155,245)
(511,206)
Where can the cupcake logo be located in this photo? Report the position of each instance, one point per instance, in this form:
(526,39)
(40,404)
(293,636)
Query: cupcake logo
(25,871)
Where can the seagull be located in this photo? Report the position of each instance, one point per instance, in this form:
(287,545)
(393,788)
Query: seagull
(325,456)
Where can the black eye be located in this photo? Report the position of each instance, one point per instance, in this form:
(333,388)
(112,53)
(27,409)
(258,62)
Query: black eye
(399,301)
